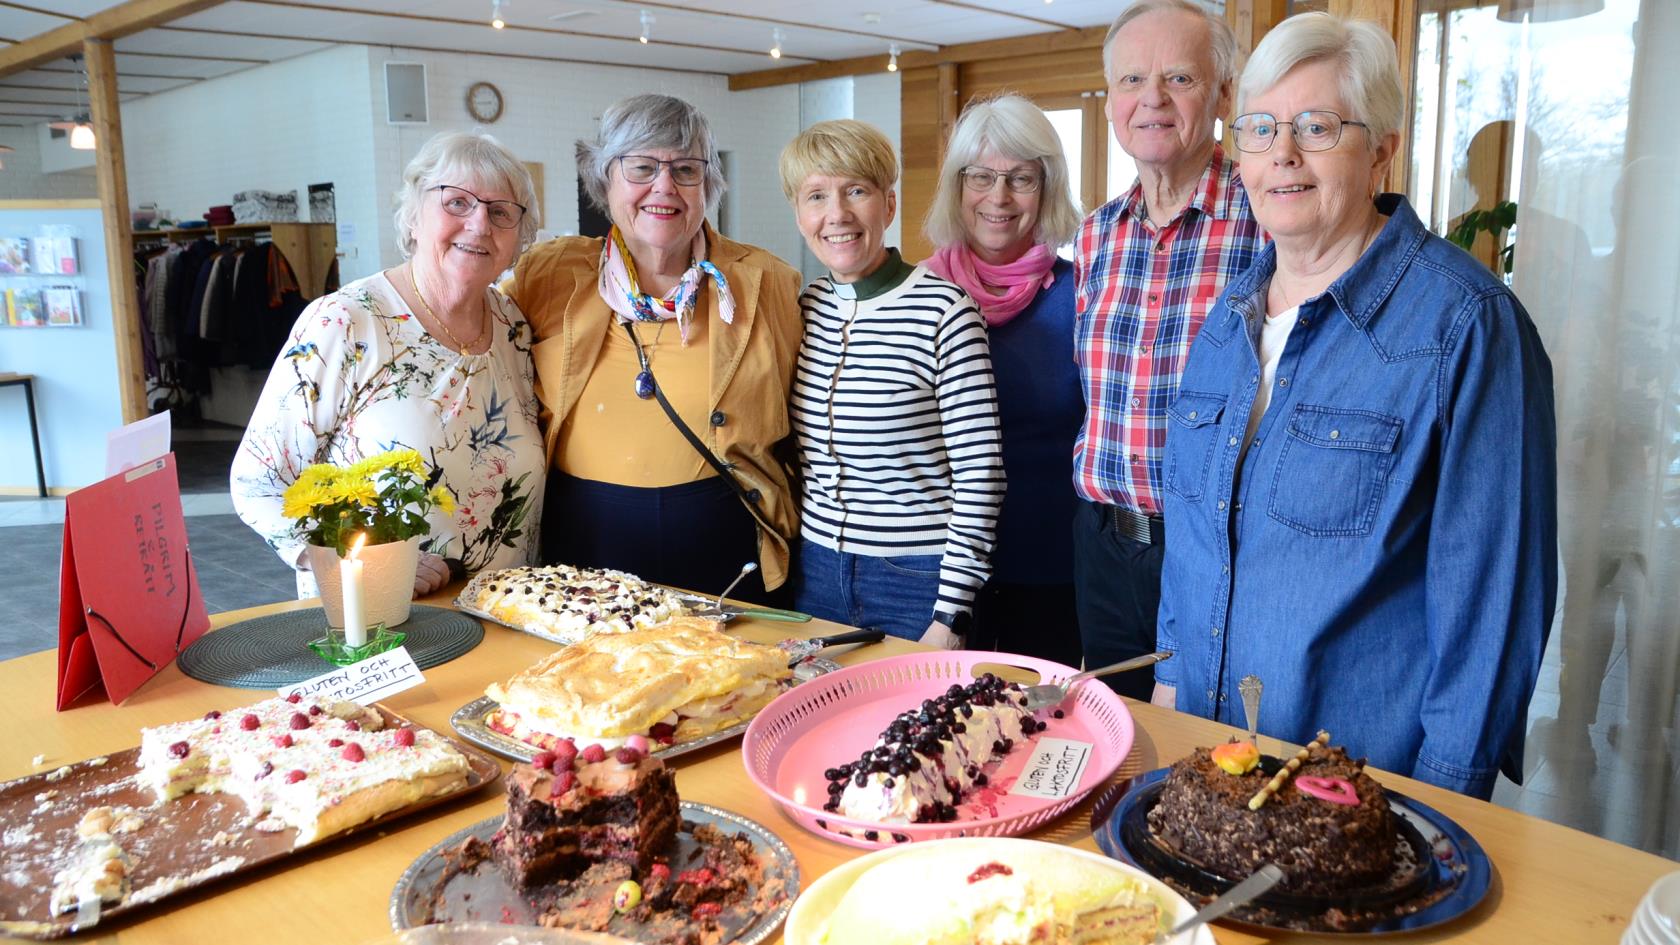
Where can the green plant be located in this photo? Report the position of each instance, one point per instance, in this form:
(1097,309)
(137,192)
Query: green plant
(383,496)
(1493,222)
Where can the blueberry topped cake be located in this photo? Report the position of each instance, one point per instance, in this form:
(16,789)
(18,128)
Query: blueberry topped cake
(566,604)
(314,764)
(929,757)
(1326,822)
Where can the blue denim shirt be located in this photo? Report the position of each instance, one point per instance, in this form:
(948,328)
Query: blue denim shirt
(1385,559)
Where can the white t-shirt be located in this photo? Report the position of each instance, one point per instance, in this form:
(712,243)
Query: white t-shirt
(1274,333)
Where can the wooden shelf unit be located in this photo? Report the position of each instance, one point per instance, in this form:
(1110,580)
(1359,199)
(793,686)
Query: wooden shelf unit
(309,247)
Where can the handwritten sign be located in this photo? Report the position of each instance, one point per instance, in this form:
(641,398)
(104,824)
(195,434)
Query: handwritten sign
(364,683)
(1053,769)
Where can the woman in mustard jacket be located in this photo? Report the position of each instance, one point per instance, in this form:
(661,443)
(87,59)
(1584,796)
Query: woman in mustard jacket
(664,358)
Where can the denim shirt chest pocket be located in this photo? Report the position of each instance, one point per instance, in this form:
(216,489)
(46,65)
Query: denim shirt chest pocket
(1192,431)
(1332,470)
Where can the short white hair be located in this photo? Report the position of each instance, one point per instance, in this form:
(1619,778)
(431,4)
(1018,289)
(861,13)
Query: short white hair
(1222,42)
(1362,51)
(455,157)
(1020,131)
(648,123)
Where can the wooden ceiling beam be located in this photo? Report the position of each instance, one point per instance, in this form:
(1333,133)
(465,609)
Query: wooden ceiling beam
(1036,44)
(124,19)
(29,9)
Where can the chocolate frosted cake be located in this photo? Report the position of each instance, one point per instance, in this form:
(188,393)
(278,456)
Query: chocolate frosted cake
(567,811)
(1329,827)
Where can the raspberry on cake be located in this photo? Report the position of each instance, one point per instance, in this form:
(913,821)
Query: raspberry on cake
(279,757)
(1329,826)
(926,761)
(570,813)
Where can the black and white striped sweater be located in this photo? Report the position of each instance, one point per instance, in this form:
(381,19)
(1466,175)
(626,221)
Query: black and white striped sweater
(899,442)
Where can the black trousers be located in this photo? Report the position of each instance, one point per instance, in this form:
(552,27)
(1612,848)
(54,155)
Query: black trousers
(1117,586)
(1030,619)
(693,536)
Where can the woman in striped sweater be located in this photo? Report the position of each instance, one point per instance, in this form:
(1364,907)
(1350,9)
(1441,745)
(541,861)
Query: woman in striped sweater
(893,405)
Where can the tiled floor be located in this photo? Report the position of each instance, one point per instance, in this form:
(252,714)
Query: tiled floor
(1609,776)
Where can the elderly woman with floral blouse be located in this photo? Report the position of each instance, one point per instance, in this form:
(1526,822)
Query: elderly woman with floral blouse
(428,355)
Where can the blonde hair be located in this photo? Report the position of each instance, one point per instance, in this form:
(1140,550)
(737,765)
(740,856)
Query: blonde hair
(456,157)
(1020,131)
(843,147)
(1362,51)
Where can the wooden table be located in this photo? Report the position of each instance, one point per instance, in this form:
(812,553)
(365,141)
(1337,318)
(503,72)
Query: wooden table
(1551,884)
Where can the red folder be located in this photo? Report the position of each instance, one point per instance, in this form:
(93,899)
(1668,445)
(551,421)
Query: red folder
(128,592)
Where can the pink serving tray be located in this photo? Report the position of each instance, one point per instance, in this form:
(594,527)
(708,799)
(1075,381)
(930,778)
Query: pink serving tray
(834,718)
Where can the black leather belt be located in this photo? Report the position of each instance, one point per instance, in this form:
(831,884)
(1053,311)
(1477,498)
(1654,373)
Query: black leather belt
(1141,528)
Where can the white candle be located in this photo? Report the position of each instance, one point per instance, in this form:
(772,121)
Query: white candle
(350,578)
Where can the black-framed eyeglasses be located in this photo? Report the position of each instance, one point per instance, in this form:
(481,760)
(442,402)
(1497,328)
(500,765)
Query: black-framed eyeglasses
(1313,131)
(983,179)
(641,169)
(460,202)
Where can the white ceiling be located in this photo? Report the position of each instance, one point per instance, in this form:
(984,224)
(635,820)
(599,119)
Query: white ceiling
(714,36)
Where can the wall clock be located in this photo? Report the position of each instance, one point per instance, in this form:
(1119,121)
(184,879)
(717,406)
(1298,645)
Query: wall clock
(484,102)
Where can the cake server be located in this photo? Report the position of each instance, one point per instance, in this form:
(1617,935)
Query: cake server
(801,650)
(1045,695)
(1241,894)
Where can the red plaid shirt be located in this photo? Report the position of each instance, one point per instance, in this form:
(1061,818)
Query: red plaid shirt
(1142,295)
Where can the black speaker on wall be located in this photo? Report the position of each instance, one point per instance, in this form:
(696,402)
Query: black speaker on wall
(405,93)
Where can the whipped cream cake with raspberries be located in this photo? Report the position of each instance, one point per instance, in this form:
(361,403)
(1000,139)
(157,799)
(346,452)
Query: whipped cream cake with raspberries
(315,764)
(567,604)
(931,756)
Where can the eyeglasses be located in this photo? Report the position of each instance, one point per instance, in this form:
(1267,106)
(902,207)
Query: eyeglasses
(984,179)
(504,214)
(1313,131)
(640,169)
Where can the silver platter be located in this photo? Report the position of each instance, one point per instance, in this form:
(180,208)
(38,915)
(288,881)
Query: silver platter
(415,888)
(696,606)
(468,722)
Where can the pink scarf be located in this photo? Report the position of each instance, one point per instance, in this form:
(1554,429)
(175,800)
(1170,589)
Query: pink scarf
(1020,280)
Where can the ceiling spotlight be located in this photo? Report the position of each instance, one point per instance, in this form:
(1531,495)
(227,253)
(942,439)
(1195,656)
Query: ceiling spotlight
(647,26)
(81,137)
(892,58)
(776,43)
(496,21)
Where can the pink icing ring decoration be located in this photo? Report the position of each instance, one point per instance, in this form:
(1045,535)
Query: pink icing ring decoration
(1334,790)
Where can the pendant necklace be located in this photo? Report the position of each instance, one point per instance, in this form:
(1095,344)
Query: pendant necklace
(644,380)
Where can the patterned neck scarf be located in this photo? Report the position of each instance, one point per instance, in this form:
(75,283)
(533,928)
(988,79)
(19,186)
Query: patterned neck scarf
(623,294)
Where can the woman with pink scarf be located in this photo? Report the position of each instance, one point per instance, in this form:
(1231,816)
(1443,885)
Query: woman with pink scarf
(1003,205)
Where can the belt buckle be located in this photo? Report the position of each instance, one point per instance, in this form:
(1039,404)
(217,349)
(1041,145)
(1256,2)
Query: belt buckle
(1134,525)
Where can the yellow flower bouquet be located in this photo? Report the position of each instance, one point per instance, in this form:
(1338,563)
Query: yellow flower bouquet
(386,497)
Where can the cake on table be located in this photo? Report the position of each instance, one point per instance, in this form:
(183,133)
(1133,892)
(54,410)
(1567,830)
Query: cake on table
(569,604)
(926,761)
(672,683)
(1328,824)
(315,764)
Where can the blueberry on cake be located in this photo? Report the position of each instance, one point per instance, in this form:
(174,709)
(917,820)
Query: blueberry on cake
(930,757)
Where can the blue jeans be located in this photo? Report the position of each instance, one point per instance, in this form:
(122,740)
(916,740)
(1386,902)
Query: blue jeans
(895,594)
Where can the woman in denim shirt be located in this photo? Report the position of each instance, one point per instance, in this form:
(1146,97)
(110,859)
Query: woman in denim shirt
(1360,467)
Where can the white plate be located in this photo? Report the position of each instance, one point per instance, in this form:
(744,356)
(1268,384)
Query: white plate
(812,909)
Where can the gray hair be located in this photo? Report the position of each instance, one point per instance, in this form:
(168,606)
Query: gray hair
(453,157)
(648,123)
(1363,52)
(1221,41)
(1018,130)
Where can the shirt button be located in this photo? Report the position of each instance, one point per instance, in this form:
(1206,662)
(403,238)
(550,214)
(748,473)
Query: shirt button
(1210,695)
(1224,569)
(1221,503)
(1237,507)
(1153,297)
(719,418)
(1137,401)
(1283,382)
(1136,458)
(1222,697)
(1216,631)
(1160,247)
(1335,434)
(754,496)
(1232,442)
(1192,414)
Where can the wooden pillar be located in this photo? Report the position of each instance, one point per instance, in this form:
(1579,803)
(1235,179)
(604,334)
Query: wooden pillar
(1399,18)
(119,239)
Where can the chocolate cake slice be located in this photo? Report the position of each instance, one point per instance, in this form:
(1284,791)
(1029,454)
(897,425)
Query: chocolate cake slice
(567,811)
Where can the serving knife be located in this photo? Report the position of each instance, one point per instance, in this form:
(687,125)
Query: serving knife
(800,650)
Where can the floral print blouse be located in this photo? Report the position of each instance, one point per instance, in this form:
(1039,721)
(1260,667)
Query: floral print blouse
(360,376)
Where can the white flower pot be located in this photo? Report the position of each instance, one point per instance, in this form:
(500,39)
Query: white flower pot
(387,581)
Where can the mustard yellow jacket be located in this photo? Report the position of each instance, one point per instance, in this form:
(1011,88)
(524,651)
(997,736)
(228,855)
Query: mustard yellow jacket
(752,364)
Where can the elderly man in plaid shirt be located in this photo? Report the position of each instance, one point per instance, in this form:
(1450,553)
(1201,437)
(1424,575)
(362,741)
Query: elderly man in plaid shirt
(1148,268)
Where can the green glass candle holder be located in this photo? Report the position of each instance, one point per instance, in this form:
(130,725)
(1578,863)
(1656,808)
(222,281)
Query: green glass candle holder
(334,650)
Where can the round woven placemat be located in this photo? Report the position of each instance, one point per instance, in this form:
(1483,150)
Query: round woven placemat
(273,651)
